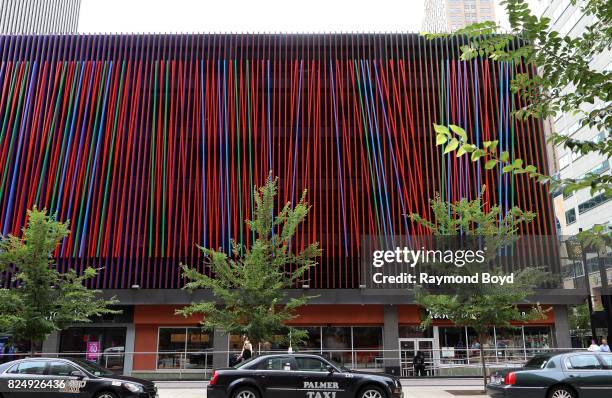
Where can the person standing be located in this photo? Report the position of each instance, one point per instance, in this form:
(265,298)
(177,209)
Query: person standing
(418,361)
(594,347)
(604,347)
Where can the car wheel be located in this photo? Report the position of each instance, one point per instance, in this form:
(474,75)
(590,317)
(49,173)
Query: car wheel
(105,394)
(561,392)
(245,392)
(372,392)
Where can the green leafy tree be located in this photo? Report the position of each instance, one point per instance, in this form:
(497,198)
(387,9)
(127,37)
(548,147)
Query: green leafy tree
(43,300)
(566,82)
(480,306)
(250,284)
(580,322)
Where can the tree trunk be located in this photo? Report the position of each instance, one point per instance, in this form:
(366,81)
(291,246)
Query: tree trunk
(32,345)
(482,361)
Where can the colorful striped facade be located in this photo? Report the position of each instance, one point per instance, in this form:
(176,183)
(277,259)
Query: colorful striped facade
(151,144)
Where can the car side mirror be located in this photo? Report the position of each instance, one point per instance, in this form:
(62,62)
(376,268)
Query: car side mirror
(77,373)
(330,369)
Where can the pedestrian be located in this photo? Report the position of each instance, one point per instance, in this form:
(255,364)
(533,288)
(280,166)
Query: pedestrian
(418,361)
(594,347)
(247,349)
(604,347)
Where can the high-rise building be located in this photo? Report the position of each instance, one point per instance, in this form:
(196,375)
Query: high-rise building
(580,210)
(151,144)
(39,16)
(443,16)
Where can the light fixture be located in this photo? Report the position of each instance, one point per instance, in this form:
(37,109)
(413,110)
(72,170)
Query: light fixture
(135,287)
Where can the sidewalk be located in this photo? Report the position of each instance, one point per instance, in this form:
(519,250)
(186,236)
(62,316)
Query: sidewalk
(413,388)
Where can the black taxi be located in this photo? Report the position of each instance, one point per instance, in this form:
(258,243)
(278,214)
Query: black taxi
(75,378)
(299,375)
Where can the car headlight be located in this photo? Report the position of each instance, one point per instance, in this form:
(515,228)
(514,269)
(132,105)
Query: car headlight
(133,387)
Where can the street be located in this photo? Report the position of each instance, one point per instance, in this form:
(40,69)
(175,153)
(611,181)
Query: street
(413,388)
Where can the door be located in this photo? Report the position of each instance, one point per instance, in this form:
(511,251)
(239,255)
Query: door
(278,377)
(587,375)
(408,348)
(315,379)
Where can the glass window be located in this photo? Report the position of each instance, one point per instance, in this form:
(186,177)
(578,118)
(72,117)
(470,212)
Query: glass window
(509,342)
(592,203)
(538,339)
(367,346)
(29,368)
(570,216)
(278,363)
(310,364)
(198,349)
(414,331)
(171,346)
(184,348)
(607,360)
(583,362)
(313,342)
(452,344)
(337,344)
(61,369)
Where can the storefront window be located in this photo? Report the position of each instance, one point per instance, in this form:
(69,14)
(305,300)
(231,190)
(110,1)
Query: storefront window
(367,346)
(337,344)
(108,342)
(313,342)
(475,342)
(184,348)
(415,332)
(509,343)
(538,339)
(452,345)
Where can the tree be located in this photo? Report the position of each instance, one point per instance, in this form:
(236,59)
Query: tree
(580,322)
(480,306)
(42,299)
(566,82)
(250,284)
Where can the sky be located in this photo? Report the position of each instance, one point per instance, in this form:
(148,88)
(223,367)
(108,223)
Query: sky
(173,16)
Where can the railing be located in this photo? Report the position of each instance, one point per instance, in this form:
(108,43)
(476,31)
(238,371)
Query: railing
(438,362)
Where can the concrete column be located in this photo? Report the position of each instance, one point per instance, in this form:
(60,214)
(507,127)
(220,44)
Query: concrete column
(562,327)
(51,343)
(220,348)
(130,338)
(391,340)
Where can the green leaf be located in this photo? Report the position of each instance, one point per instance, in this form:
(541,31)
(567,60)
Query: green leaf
(505,156)
(508,168)
(461,151)
(477,154)
(491,164)
(518,163)
(531,169)
(452,145)
(442,130)
(459,131)
(441,139)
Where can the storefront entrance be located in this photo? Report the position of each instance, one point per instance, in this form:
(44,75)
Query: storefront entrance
(408,348)
(104,345)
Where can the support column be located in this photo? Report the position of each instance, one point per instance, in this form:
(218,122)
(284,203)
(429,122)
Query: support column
(391,341)
(51,343)
(562,327)
(130,338)
(220,348)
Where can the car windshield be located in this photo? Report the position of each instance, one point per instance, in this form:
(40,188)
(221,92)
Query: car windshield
(538,362)
(244,363)
(93,368)
(342,368)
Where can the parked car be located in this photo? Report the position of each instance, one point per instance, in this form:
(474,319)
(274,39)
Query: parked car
(561,375)
(299,375)
(35,377)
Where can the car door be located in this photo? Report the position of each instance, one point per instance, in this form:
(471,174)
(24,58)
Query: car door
(70,379)
(586,374)
(277,377)
(24,379)
(316,380)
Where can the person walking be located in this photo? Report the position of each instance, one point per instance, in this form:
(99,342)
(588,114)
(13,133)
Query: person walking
(247,349)
(418,362)
(594,347)
(604,347)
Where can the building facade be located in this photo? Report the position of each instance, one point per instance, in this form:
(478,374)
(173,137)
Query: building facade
(580,211)
(151,144)
(39,16)
(443,16)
